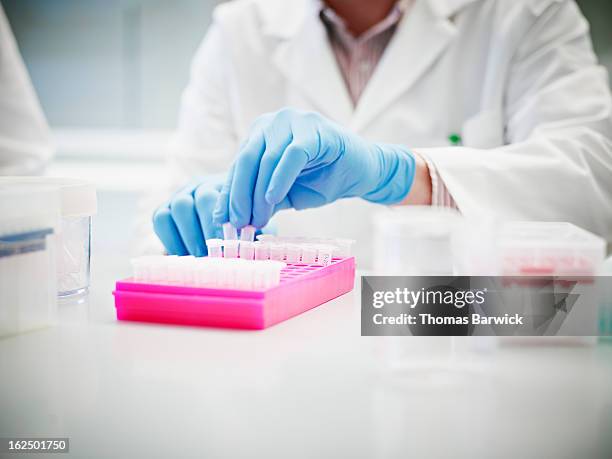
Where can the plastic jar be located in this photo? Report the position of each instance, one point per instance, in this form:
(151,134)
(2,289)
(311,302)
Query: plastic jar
(78,203)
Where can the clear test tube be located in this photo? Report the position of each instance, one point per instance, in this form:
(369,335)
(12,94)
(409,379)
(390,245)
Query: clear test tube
(324,254)
(139,269)
(259,275)
(244,276)
(230,248)
(185,270)
(277,252)
(229,232)
(172,270)
(247,233)
(158,269)
(273,270)
(200,274)
(262,250)
(224,273)
(207,273)
(214,248)
(344,247)
(294,253)
(247,250)
(309,254)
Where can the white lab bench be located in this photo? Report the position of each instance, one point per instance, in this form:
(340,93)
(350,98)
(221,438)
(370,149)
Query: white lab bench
(309,387)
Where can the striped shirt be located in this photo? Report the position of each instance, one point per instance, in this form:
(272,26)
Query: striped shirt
(357,59)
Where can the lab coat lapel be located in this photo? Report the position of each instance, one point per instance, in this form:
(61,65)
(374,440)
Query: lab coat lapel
(420,39)
(307,61)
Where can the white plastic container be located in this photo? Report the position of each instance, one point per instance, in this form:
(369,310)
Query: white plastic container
(549,248)
(28,292)
(78,203)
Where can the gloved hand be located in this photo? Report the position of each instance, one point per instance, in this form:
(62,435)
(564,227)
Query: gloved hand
(185,222)
(294,159)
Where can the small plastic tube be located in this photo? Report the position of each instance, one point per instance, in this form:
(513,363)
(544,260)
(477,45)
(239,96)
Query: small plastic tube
(245,276)
(230,248)
(309,254)
(344,247)
(294,253)
(247,233)
(214,247)
(247,250)
(262,250)
(229,232)
(259,275)
(173,275)
(277,252)
(185,268)
(158,269)
(273,270)
(203,273)
(324,254)
(225,276)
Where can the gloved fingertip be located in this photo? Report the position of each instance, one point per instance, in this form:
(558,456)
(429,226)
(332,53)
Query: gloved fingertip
(218,218)
(271,197)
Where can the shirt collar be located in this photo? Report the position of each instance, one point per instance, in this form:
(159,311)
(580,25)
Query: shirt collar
(337,24)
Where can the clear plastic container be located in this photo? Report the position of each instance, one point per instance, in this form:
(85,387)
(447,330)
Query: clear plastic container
(414,241)
(553,249)
(549,248)
(30,219)
(78,203)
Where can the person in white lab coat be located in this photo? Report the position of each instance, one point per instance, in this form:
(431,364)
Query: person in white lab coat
(494,107)
(25,138)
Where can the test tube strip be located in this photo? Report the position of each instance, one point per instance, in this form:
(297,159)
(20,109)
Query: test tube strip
(206,272)
(229,232)
(214,247)
(247,233)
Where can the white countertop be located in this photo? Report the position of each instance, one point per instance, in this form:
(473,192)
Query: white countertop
(309,387)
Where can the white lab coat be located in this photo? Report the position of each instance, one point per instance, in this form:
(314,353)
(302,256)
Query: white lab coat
(518,80)
(25,138)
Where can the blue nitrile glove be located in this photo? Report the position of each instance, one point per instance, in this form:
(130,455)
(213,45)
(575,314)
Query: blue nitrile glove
(185,221)
(295,159)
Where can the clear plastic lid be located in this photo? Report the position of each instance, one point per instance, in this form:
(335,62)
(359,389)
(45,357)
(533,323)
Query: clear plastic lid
(549,248)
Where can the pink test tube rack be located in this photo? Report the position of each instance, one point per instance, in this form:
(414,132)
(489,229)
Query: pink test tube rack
(302,287)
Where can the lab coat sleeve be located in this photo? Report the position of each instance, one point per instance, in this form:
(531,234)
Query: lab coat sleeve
(556,163)
(25,138)
(205,140)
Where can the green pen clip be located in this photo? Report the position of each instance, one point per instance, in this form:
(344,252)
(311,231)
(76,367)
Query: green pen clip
(455,140)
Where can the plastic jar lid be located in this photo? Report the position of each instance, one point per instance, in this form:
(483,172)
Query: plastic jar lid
(25,209)
(77,197)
